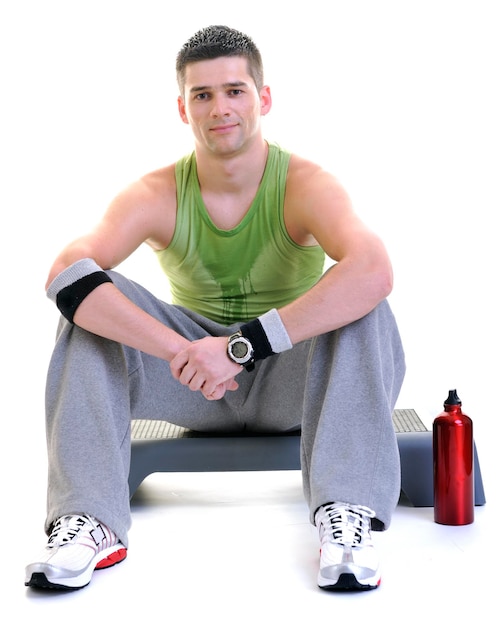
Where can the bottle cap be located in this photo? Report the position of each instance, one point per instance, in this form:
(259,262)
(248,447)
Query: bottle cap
(453,399)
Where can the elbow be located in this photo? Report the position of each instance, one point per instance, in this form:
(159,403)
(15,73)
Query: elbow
(382,271)
(74,252)
(383,282)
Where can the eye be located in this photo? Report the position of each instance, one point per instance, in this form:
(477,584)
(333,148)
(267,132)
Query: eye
(202,96)
(235,92)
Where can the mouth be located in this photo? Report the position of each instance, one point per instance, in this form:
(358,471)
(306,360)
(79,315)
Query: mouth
(222,129)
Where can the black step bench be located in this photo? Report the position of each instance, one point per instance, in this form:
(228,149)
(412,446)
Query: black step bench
(159,446)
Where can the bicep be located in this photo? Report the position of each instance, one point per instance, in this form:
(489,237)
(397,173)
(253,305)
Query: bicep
(124,227)
(345,236)
(318,206)
(325,211)
(106,251)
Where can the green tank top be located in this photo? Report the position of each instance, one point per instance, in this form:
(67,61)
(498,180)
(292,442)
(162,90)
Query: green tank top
(236,275)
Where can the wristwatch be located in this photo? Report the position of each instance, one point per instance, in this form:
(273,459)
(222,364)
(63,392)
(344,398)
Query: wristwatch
(240,350)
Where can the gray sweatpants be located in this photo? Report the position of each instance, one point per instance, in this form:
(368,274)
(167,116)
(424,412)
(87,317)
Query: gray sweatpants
(340,388)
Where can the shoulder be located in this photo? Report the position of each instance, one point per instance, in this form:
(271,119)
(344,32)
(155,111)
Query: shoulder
(155,187)
(314,200)
(146,193)
(307,179)
(147,206)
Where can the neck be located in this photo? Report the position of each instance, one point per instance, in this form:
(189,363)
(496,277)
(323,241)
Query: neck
(232,172)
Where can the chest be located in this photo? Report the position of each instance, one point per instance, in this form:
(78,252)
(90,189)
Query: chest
(227,211)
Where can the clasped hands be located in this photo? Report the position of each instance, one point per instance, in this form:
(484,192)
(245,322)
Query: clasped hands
(204,366)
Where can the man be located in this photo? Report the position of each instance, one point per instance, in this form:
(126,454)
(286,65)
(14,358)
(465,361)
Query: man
(257,338)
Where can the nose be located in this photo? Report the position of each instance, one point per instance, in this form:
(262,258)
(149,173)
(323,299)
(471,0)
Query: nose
(220,106)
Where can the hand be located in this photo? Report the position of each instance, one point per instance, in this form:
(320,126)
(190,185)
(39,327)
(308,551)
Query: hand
(204,366)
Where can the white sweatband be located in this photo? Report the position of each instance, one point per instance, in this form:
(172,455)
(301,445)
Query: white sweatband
(275,330)
(71,286)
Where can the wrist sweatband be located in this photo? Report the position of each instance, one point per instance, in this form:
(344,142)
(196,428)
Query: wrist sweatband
(74,284)
(267,335)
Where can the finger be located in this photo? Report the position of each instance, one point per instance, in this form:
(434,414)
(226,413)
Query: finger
(232,385)
(177,365)
(197,383)
(216,394)
(220,390)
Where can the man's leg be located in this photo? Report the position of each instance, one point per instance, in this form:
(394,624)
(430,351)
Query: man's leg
(94,388)
(349,447)
(350,460)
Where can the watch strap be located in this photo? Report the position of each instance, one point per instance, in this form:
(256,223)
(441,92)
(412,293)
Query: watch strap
(254,332)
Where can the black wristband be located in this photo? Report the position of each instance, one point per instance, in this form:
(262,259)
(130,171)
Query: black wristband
(254,332)
(69,298)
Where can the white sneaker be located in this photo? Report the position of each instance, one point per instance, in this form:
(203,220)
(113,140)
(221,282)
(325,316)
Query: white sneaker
(348,559)
(78,545)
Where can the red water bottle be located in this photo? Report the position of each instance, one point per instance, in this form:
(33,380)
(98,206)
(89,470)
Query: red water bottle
(453,477)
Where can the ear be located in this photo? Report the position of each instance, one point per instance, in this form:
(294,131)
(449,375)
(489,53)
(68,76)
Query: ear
(181,110)
(265,100)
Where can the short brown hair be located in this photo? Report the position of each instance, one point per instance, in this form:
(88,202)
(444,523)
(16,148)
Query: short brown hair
(219,41)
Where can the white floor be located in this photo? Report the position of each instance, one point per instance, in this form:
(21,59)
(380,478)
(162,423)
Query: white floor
(236,548)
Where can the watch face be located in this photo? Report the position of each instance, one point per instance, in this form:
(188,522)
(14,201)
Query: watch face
(239,349)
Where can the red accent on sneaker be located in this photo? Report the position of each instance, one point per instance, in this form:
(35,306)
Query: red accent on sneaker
(112,559)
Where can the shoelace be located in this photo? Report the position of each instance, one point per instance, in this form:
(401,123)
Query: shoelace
(67,528)
(346,524)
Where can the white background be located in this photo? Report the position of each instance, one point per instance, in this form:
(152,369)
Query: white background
(402,100)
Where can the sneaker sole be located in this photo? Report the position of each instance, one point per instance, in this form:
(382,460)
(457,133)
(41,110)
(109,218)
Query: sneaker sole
(41,581)
(348,582)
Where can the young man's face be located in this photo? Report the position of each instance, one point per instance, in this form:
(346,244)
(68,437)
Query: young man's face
(221,104)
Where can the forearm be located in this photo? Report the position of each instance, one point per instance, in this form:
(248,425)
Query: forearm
(109,313)
(344,294)
(86,296)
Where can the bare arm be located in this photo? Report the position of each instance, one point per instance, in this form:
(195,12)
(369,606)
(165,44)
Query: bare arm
(139,214)
(145,212)
(318,207)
